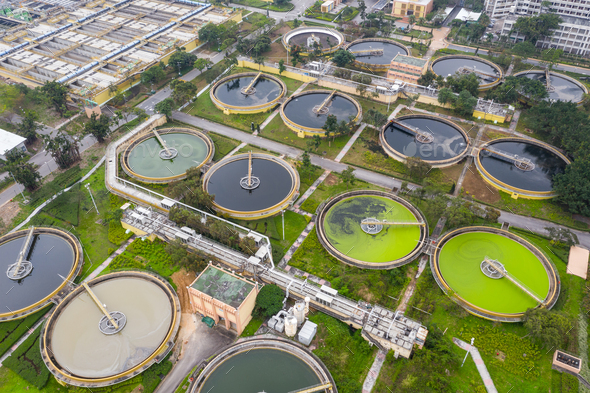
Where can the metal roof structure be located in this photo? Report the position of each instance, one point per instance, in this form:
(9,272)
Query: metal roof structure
(9,141)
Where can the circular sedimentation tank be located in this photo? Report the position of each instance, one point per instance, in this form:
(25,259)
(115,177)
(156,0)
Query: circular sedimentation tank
(252,185)
(488,73)
(522,167)
(376,61)
(247,92)
(307,112)
(561,87)
(52,258)
(329,40)
(263,365)
(79,352)
(440,142)
(146,158)
(371,229)
(481,266)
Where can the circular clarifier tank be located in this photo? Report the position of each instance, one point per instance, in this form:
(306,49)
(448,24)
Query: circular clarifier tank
(263,365)
(308,111)
(51,258)
(561,87)
(372,229)
(329,40)
(494,274)
(79,353)
(252,185)
(439,142)
(249,92)
(521,166)
(488,73)
(376,53)
(147,158)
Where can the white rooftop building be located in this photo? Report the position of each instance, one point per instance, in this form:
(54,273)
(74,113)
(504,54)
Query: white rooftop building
(9,141)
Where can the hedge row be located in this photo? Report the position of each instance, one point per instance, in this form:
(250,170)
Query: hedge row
(11,331)
(26,361)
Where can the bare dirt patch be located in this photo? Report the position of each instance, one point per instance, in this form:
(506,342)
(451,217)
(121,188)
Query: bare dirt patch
(331,180)
(7,212)
(476,186)
(453,172)
(183,279)
(277,52)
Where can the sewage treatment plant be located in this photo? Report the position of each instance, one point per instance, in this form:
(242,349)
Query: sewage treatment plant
(375,53)
(440,142)
(37,264)
(248,92)
(110,329)
(488,73)
(371,229)
(257,365)
(494,274)
(521,166)
(164,155)
(252,185)
(307,112)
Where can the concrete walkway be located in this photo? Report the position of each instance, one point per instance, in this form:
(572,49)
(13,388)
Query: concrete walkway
(373,374)
(481,367)
(289,254)
(350,142)
(310,191)
(234,151)
(108,261)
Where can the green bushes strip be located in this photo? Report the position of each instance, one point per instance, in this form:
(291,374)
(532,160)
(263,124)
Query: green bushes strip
(26,361)
(11,331)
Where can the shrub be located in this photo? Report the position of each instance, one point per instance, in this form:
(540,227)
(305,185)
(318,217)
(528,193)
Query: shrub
(117,233)
(269,301)
(26,361)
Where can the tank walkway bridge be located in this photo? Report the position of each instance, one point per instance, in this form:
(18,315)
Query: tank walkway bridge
(315,388)
(367,52)
(420,135)
(502,272)
(520,162)
(482,74)
(382,327)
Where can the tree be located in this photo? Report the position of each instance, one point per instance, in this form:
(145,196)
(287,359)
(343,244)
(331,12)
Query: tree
(417,168)
(202,63)
(492,214)
(348,177)
(98,127)
(314,142)
(165,107)
(24,173)
(57,94)
(181,59)
(460,82)
(362,7)
(412,19)
(445,95)
(550,57)
(524,49)
(260,61)
(282,67)
(550,328)
(573,186)
(330,126)
(375,118)
(269,301)
(210,34)
(536,27)
(63,148)
(465,103)
(28,126)
(306,167)
(427,78)
(153,74)
(459,213)
(183,91)
(230,61)
(562,237)
(343,57)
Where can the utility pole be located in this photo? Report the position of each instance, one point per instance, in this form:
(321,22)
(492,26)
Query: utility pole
(91,197)
(25,200)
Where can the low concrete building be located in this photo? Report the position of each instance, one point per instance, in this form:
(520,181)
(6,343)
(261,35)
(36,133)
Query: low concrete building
(10,141)
(224,296)
(307,333)
(418,8)
(406,68)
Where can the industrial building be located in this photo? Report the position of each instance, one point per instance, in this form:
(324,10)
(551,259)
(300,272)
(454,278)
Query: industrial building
(406,68)
(10,141)
(418,8)
(224,296)
(104,43)
(573,34)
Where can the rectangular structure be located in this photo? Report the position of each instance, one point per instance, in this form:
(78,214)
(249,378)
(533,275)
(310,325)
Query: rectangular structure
(406,68)
(10,141)
(577,263)
(418,8)
(224,296)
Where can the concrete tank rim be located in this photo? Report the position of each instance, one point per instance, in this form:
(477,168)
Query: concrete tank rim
(377,39)
(484,86)
(558,75)
(311,29)
(263,107)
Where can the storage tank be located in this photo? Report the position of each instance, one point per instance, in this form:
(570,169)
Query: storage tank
(290,326)
(299,311)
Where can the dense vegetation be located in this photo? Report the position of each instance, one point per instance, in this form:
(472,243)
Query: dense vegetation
(26,361)
(269,301)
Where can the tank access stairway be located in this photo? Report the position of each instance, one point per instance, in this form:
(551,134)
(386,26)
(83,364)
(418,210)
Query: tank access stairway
(367,52)
(323,108)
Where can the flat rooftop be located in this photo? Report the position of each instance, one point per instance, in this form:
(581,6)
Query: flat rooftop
(223,286)
(409,60)
(9,141)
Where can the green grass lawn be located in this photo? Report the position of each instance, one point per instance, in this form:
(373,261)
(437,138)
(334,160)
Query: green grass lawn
(346,354)
(223,145)
(255,149)
(252,327)
(331,186)
(273,228)
(265,5)
(307,181)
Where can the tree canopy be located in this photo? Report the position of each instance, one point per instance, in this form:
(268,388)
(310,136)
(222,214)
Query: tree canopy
(98,127)
(536,27)
(57,94)
(343,57)
(269,301)
(24,172)
(28,126)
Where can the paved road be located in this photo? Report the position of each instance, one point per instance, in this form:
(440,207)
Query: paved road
(202,343)
(533,224)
